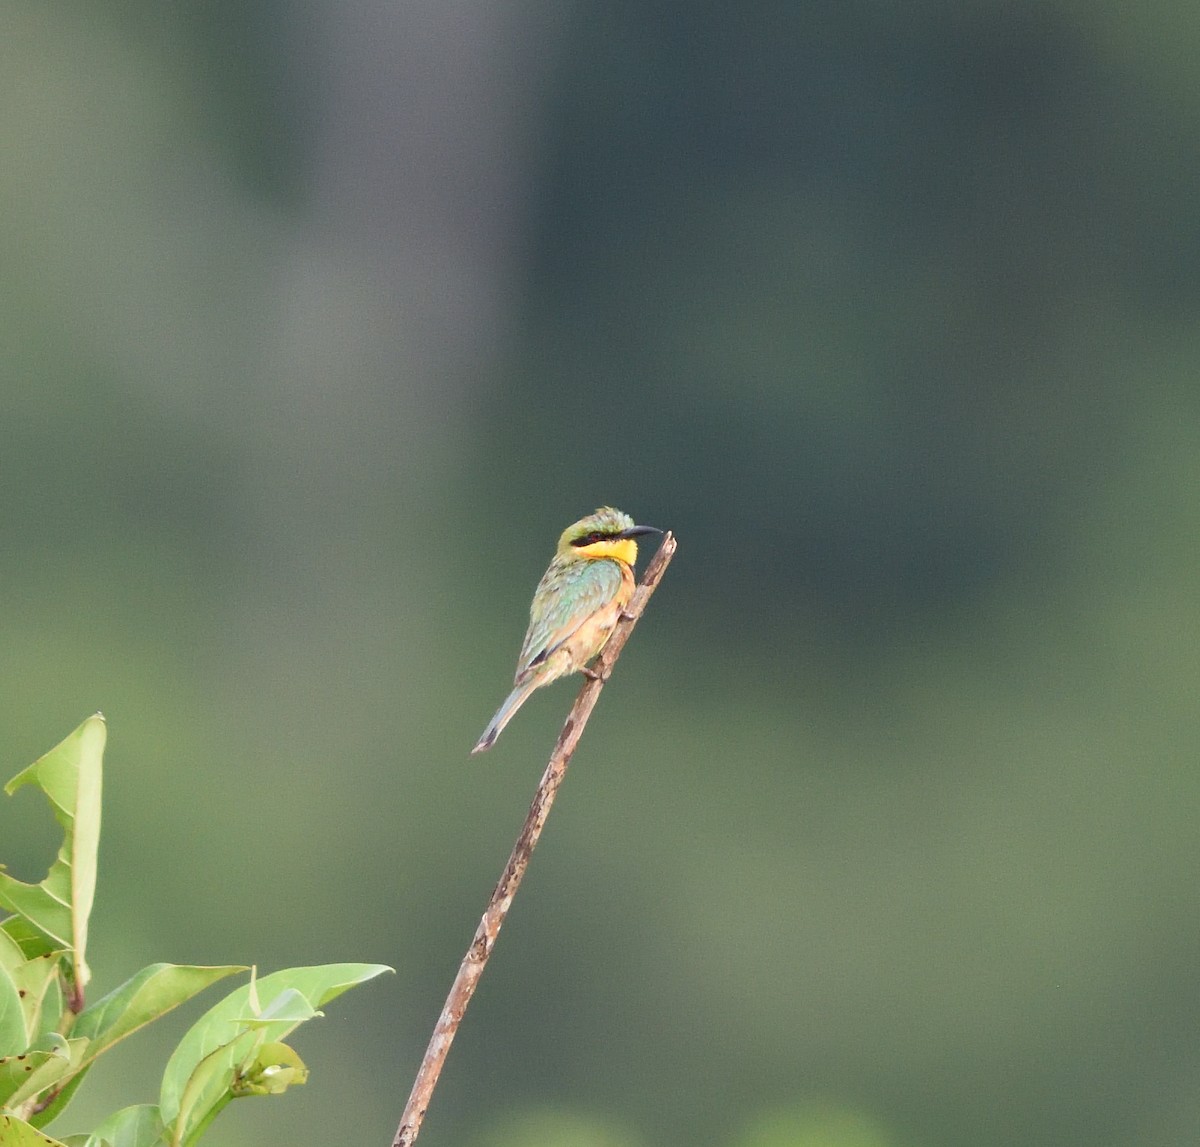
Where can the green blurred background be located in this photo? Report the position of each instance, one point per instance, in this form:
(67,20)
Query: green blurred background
(319,321)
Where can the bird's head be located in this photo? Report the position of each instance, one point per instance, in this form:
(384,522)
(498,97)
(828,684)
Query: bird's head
(607,533)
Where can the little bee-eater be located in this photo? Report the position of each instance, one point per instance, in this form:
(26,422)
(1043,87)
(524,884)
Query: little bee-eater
(575,607)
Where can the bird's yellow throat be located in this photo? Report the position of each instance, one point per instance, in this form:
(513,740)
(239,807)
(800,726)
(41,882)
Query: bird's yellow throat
(623,549)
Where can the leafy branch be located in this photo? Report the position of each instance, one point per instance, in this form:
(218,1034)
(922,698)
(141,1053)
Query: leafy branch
(50,1037)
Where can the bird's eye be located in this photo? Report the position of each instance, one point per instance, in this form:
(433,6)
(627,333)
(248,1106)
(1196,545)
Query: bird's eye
(589,539)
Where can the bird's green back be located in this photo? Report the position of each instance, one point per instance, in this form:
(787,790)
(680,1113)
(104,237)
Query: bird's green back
(570,591)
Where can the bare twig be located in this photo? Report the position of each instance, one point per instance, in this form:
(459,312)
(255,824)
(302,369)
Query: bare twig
(484,940)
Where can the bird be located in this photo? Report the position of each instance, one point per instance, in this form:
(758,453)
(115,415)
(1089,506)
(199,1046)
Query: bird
(575,607)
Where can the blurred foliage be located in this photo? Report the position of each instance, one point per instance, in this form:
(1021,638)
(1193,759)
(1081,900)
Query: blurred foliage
(560,1128)
(320,321)
(815,1127)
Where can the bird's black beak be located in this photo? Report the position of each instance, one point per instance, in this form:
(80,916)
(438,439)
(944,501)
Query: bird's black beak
(638,531)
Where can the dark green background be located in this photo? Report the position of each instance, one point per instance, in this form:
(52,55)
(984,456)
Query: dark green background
(319,321)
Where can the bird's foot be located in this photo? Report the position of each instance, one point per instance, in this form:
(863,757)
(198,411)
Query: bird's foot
(591,674)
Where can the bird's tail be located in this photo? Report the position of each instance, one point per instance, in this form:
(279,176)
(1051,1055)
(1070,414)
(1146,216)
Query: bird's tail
(504,714)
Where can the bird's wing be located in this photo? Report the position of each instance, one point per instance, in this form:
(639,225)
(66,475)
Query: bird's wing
(567,598)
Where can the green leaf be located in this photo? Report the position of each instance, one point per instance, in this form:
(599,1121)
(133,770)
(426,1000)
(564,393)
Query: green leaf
(31,942)
(230,1018)
(208,1089)
(276,1067)
(45,906)
(41,997)
(51,1019)
(11,954)
(137,1126)
(59,1097)
(32,980)
(290,1006)
(32,1072)
(153,992)
(59,907)
(16,1070)
(14,1036)
(16,1132)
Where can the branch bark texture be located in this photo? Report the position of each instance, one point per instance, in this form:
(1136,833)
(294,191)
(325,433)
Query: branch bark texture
(484,940)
